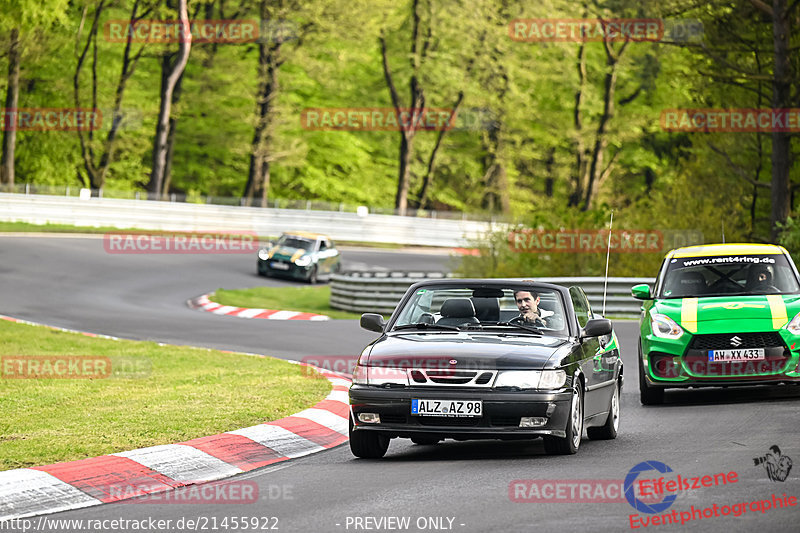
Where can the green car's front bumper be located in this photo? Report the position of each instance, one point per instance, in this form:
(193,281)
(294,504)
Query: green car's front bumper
(685,362)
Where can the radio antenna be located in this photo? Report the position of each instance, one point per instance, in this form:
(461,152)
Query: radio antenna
(723,232)
(608,255)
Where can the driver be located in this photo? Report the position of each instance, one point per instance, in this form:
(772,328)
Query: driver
(761,279)
(529,312)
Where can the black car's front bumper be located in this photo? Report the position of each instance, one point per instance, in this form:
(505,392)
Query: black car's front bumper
(502,411)
(292,272)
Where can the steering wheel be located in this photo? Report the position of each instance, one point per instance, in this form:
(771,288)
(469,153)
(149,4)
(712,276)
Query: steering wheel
(427,318)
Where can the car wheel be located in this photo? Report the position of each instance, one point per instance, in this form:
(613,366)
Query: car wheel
(312,277)
(608,430)
(368,444)
(425,441)
(648,395)
(569,444)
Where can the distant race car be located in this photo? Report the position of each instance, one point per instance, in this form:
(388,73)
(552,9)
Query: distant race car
(455,361)
(719,314)
(299,255)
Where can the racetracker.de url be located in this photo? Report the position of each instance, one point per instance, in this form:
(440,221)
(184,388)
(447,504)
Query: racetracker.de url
(197,523)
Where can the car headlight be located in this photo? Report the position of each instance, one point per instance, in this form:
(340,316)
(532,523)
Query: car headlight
(794,325)
(379,375)
(303,261)
(532,379)
(664,327)
(263,254)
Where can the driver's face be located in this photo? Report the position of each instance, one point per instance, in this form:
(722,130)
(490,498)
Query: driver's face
(526,303)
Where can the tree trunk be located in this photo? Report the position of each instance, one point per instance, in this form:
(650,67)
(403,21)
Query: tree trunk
(401,198)
(259,172)
(596,170)
(580,159)
(171,73)
(781,99)
(12,101)
(428,180)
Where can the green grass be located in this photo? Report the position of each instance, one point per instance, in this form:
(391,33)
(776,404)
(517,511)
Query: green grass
(302,299)
(178,393)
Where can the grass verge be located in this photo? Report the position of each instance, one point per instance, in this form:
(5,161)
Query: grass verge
(314,299)
(172,394)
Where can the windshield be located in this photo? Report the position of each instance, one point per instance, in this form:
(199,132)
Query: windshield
(728,275)
(295,242)
(533,310)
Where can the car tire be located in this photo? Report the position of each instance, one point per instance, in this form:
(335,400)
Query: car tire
(312,277)
(368,444)
(648,395)
(425,441)
(608,430)
(569,445)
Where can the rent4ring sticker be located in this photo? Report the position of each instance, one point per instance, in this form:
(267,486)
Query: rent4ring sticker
(447,407)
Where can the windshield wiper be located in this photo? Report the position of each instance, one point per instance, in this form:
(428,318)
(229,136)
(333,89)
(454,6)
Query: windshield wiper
(532,329)
(426,325)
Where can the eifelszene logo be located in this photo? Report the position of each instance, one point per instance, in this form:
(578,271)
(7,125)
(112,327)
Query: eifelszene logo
(630,495)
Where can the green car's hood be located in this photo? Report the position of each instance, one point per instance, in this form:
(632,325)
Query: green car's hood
(719,314)
(286,253)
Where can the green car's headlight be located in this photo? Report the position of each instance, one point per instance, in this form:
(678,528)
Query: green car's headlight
(664,327)
(263,254)
(303,261)
(794,325)
(532,379)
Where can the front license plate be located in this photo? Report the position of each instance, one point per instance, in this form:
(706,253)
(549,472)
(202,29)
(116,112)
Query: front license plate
(279,266)
(749,354)
(447,407)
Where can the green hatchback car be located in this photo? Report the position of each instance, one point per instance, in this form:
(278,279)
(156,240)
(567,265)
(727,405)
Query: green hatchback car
(719,315)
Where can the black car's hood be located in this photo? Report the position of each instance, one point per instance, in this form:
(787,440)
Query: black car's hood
(468,350)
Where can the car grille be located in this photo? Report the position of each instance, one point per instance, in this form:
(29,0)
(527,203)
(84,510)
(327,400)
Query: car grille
(393,419)
(449,421)
(471,378)
(505,421)
(776,355)
(747,340)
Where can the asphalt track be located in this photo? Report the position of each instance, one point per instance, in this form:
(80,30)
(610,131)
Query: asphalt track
(458,486)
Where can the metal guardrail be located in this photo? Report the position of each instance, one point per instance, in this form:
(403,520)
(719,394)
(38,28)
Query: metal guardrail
(380,292)
(169,216)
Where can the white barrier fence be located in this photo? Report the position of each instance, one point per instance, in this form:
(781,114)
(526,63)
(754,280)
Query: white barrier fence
(380,292)
(170,216)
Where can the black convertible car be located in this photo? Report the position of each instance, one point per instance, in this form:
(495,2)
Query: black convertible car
(457,360)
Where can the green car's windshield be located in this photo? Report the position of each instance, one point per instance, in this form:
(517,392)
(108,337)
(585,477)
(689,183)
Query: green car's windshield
(295,242)
(738,275)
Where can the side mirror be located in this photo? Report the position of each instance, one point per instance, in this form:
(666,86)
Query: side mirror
(641,292)
(596,327)
(372,322)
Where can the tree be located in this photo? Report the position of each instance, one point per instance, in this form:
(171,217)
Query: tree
(21,18)
(171,73)
(96,169)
